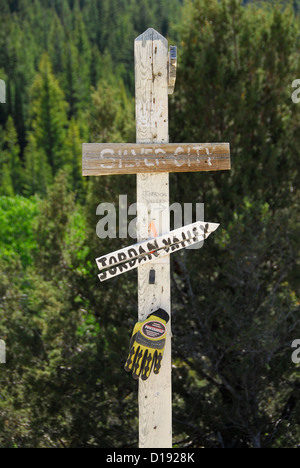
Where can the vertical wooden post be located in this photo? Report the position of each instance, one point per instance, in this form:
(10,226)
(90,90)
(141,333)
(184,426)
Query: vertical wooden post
(151,94)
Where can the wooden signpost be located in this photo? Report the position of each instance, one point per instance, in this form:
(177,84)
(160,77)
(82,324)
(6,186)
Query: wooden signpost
(152,158)
(150,250)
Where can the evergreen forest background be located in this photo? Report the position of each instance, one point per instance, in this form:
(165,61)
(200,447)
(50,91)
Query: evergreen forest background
(69,73)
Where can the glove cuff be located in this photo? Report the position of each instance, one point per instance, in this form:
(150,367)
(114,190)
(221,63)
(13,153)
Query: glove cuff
(160,313)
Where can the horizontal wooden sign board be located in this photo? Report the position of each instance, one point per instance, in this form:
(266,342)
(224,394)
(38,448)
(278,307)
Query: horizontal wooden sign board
(151,250)
(132,158)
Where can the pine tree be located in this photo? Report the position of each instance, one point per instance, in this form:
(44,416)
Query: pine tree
(58,36)
(6,183)
(37,172)
(11,178)
(112,113)
(73,166)
(48,113)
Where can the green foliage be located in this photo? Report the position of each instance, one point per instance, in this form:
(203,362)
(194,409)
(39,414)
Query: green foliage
(112,114)
(10,179)
(236,70)
(54,320)
(48,115)
(17,215)
(37,172)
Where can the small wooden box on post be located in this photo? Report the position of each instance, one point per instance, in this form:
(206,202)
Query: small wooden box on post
(152,158)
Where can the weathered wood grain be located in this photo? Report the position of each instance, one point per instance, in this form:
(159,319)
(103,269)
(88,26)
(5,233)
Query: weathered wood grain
(131,158)
(151,94)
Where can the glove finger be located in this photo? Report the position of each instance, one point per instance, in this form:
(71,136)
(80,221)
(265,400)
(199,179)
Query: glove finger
(157,362)
(147,365)
(144,362)
(130,360)
(137,363)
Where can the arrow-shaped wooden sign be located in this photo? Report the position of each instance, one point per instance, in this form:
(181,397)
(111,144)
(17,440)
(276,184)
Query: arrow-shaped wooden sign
(151,250)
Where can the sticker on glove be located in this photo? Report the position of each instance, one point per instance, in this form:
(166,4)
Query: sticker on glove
(153,329)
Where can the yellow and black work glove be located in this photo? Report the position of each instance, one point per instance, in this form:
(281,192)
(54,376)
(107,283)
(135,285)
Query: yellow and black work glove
(147,345)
